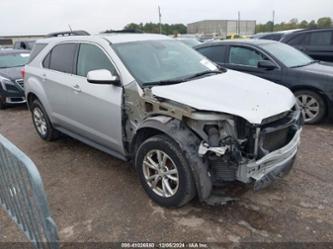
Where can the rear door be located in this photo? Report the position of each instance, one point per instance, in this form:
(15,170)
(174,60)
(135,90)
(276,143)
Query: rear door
(57,81)
(96,109)
(245,59)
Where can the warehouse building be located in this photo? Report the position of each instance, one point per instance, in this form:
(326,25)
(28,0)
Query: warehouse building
(8,41)
(222,28)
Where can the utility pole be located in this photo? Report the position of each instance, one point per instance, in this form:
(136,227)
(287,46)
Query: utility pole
(160,18)
(273,21)
(239,24)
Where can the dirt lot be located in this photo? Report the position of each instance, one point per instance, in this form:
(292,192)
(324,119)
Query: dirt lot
(95,197)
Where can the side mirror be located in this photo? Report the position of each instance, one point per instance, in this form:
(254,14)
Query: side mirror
(103,77)
(268,65)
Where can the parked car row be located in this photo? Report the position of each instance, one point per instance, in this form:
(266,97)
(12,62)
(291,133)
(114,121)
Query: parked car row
(187,120)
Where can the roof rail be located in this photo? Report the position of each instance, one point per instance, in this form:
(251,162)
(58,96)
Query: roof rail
(124,31)
(68,33)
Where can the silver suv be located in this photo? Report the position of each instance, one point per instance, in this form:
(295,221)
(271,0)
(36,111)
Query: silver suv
(187,124)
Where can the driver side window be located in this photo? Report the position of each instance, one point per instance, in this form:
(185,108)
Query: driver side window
(245,56)
(92,58)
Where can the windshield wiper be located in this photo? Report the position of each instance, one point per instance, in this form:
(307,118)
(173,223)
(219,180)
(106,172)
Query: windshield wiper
(202,74)
(307,64)
(163,82)
(181,80)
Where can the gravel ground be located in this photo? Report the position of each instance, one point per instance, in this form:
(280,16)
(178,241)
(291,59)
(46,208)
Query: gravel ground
(97,198)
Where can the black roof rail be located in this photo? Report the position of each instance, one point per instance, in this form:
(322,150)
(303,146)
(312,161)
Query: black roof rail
(124,31)
(68,33)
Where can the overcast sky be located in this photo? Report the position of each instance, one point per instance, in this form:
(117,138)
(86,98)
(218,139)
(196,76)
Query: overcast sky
(18,17)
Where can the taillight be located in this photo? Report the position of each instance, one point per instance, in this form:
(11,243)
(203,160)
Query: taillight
(23,72)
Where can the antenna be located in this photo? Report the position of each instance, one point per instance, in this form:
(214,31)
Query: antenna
(70,28)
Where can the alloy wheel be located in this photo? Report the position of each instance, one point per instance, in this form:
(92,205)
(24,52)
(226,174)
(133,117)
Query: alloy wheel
(40,121)
(161,173)
(310,107)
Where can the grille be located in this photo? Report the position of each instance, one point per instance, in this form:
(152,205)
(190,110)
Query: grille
(276,139)
(20,82)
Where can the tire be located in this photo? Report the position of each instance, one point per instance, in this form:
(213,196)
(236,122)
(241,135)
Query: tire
(178,194)
(42,122)
(2,103)
(308,99)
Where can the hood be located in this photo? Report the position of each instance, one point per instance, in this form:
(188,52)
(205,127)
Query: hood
(321,68)
(243,95)
(12,73)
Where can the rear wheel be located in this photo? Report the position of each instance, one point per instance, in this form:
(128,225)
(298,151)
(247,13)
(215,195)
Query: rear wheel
(42,122)
(164,172)
(313,106)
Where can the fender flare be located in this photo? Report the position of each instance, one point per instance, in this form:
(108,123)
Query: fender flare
(189,143)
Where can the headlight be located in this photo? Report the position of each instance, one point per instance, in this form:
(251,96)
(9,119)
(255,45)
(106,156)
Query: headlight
(4,81)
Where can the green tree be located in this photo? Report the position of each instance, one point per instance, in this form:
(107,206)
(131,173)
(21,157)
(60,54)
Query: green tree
(324,22)
(304,24)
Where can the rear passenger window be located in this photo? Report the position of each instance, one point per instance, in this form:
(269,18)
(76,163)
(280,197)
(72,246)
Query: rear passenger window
(62,58)
(298,40)
(92,58)
(215,53)
(321,38)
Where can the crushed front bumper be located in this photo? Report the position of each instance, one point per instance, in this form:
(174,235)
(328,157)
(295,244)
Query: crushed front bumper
(271,166)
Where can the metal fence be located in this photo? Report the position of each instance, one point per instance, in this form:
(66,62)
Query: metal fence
(22,196)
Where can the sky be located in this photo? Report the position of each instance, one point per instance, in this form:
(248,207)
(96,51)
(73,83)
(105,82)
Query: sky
(36,17)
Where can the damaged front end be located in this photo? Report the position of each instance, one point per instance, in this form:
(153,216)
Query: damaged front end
(237,150)
(220,148)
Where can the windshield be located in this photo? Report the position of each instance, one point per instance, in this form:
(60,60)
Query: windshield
(190,42)
(13,60)
(288,55)
(162,60)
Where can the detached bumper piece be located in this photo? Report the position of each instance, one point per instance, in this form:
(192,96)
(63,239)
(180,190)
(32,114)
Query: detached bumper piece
(276,173)
(278,145)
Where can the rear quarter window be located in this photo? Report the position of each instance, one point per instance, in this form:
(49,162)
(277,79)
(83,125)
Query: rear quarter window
(37,48)
(321,38)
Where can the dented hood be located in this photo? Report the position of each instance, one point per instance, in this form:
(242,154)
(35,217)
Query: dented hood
(243,95)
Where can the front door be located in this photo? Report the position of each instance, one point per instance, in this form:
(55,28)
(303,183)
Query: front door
(245,59)
(96,108)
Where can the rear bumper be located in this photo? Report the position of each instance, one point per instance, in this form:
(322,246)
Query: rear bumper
(271,166)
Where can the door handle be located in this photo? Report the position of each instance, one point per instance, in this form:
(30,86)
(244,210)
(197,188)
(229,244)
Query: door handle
(77,88)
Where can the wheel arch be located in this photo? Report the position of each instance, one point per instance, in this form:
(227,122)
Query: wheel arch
(31,97)
(314,89)
(187,141)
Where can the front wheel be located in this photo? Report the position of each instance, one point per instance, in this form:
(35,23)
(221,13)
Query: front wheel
(164,172)
(313,106)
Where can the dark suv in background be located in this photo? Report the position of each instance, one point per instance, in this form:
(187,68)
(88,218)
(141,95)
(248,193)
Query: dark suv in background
(317,43)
